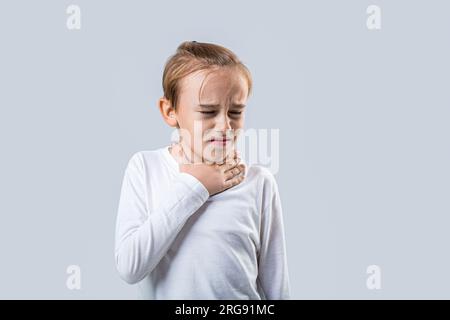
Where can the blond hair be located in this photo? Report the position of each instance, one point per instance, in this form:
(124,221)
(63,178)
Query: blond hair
(192,56)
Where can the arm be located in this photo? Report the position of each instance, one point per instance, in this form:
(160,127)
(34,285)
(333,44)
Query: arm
(272,264)
(143,238)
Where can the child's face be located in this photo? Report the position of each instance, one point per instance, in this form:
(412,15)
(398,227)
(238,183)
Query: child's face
(217,111)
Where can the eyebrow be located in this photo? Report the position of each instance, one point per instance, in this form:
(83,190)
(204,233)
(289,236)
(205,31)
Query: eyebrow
(212,106)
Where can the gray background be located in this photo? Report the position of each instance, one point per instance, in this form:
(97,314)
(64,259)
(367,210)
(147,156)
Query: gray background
(363,118)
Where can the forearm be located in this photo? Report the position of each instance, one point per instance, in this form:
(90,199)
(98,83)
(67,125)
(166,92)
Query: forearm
(140,247)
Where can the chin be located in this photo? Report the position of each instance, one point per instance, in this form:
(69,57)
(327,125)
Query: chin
(220,155)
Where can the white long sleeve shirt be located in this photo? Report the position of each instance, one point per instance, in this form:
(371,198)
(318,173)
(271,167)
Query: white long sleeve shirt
(178,242)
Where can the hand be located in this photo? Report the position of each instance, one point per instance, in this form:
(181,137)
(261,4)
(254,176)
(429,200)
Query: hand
(215,177)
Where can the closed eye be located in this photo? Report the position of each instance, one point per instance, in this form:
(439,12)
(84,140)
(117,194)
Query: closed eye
(236,113)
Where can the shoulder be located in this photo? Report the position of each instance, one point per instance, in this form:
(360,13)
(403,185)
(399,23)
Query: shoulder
(265,181)
(264,176)
(268,192)
(139,161)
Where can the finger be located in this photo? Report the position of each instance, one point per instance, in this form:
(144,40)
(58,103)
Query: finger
(232,173)
(242,168)
(234,181)
(227,166)
(238,170)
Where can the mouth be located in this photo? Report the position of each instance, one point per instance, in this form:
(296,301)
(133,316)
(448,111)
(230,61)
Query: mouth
(219,141)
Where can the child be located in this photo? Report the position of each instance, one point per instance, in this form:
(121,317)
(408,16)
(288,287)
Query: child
(193,221)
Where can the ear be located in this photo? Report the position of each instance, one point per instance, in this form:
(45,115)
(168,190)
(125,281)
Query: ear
(167,112)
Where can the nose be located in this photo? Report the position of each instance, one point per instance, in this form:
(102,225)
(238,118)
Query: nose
(223,123)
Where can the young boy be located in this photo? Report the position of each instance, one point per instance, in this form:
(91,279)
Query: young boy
(193,221)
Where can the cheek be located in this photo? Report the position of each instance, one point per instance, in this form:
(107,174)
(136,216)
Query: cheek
(238,123)
(196,125)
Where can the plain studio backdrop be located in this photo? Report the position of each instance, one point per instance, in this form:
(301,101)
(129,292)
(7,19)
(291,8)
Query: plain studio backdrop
(362,116)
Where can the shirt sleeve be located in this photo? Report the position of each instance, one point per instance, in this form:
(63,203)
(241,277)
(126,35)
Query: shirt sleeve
(143,238)
(272,261)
